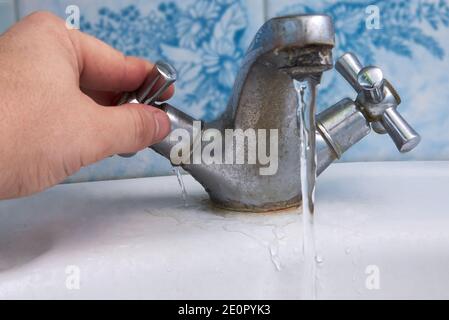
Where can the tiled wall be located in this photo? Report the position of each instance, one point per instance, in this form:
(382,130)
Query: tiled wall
(205,40)
(8,14)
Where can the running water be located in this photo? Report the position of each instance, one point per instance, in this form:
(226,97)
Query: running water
(306,91)
(177,171)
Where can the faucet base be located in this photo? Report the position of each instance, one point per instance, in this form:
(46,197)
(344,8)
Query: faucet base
(265,208)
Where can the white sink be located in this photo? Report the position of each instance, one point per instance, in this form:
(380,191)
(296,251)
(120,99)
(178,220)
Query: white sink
(382,231)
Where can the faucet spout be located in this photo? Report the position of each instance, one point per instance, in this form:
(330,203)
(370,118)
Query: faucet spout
(284,48)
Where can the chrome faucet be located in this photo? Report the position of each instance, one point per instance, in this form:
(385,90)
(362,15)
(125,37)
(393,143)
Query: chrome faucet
(264,97)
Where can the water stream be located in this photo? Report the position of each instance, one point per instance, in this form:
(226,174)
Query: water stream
(306,91)
(177,171)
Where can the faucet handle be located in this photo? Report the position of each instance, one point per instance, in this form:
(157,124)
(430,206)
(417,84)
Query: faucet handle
(403,135)
(162,76)
(378,101)
(157,82)
(371,81)
(349,67)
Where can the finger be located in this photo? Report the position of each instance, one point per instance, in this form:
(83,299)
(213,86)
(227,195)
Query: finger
(103,98)
(103,68)
(129,128)
(110,98)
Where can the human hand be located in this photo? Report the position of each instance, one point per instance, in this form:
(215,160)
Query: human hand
(55,84)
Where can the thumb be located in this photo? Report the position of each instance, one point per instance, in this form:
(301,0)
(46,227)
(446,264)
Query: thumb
(131,127)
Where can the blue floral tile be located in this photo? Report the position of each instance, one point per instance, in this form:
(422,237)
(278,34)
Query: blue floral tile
(205,40)
(411,46)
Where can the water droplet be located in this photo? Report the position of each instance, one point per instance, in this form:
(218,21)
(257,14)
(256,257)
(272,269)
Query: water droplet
(275,257)
(279,233)
(319,259)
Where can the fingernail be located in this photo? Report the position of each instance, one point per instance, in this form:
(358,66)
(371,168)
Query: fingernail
(162,123)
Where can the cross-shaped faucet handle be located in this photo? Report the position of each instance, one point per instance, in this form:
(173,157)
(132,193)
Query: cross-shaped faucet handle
(378,101)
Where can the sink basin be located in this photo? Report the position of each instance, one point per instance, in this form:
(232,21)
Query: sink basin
(381,230)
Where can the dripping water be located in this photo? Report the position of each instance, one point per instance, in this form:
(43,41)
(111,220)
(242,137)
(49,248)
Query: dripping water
(177,171)
(306,110)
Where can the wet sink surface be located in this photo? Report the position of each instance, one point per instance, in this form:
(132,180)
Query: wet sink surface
(382,231)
